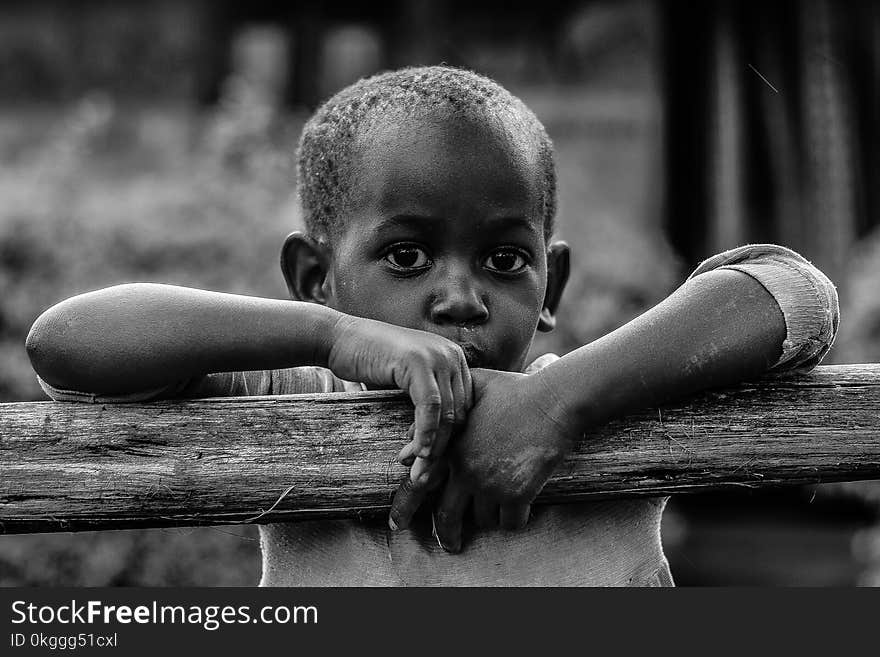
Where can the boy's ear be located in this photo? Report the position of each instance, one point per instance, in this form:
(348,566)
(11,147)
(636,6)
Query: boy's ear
(305,263)
(557,277)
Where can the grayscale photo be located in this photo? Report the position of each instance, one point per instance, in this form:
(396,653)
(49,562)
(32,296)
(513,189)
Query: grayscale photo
(432,293)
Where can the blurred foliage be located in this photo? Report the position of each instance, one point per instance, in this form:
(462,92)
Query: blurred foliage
(858,340)
(107,195)
(52,50)
(99,195)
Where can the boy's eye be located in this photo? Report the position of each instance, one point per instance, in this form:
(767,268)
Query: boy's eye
(507,260)
(407,256)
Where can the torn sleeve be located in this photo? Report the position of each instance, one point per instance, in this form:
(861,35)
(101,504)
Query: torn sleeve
(806,297)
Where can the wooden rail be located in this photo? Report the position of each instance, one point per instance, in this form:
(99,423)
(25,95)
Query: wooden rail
(69,467)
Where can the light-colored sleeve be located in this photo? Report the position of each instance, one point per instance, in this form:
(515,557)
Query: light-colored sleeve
(223,384)
(807,299)
(62,394)
(308,380)
(287,381)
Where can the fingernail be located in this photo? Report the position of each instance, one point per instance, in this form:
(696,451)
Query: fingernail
(392,524)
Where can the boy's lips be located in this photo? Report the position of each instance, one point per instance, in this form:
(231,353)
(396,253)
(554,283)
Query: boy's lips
(472,353)
(470,344)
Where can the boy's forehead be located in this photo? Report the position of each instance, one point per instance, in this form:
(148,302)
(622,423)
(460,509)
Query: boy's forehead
(448,163)
(448,129)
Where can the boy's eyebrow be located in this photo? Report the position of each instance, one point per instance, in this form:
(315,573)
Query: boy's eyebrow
(417,221)
(406,221)
(514,221)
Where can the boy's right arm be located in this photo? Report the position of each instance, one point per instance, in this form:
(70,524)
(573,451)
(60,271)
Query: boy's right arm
(143,336)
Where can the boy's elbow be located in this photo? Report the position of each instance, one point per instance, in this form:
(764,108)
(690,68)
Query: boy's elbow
(33,344)
(39,346)
(48,348)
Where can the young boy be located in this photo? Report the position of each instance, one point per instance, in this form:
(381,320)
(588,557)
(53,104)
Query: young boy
(429,196)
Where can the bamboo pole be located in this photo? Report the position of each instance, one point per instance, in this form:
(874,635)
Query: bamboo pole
(70,467)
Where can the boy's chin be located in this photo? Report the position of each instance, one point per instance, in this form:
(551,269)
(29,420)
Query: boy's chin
(488,363)
(473,356)
(477,358)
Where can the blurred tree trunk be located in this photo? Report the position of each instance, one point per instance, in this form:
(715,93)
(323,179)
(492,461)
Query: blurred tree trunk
(418,30)
(771,125)
(771,115)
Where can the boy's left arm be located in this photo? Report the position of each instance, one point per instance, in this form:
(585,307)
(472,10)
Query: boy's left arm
(739,315)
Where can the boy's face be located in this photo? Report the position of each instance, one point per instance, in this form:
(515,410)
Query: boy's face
(445,233)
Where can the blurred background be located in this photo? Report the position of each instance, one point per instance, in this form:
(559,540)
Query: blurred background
(153,141)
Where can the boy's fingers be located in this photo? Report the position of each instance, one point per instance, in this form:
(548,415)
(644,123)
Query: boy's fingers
(468,386)
(449,515)
(460,396)
(408,454)
(409,496)
(453,412)
(428,474)
(485,513)
(407,500)
(447,419)
(425,394)
(515,516)
(420,473)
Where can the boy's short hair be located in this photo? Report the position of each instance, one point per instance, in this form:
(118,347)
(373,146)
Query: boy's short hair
(326,147)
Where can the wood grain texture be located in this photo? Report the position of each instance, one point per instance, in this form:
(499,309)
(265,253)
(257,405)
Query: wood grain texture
(69,467)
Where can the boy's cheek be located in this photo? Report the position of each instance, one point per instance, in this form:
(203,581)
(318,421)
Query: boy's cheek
(360,299)
(512,351)
(516,341)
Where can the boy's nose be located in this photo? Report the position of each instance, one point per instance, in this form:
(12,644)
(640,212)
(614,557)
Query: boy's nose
(460,303)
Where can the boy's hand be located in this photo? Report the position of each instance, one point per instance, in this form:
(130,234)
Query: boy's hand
(430,368)
(510,446)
